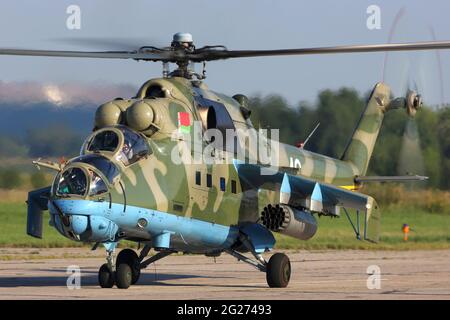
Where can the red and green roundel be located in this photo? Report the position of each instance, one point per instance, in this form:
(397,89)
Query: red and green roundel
(184,122)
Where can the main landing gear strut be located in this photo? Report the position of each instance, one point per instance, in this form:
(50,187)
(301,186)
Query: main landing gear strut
(126,269)
(277,269)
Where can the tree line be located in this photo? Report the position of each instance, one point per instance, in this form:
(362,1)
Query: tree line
(404,146)
(337,111)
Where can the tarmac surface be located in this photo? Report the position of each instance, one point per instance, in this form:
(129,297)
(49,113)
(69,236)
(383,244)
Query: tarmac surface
(42,274)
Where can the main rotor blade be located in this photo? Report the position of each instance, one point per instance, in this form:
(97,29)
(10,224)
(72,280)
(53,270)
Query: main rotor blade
(114,44)
(202,55)
(154,56)
(208,54)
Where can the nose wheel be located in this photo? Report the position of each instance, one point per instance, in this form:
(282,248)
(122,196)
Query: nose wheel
(124,276)
(127,267)
(127,270)
(105,277)
(131,267)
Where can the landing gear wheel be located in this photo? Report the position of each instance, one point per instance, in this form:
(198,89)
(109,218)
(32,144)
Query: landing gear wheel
(130,257)
(278,271)
(105,277)
(124,276)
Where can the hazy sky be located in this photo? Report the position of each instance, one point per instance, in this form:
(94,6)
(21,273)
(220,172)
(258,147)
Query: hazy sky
(253,24)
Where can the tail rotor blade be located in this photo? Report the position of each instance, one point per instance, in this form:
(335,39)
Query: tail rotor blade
(411,158)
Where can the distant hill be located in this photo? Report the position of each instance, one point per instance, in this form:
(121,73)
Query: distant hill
(17,119)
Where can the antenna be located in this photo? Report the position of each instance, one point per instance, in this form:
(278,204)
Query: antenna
(302,145)
(165,69)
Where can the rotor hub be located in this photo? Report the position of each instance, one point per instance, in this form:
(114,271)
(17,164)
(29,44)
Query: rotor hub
(413,103)
(183,40)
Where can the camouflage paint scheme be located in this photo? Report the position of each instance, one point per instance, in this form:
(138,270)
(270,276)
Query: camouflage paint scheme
(157,183)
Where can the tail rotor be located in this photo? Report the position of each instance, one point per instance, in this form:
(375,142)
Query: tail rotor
(411,74)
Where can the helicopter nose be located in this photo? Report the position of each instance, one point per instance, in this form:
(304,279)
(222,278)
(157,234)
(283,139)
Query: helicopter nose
(81,220)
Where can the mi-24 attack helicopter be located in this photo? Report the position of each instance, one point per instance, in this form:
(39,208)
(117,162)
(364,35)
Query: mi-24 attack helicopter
(126,184)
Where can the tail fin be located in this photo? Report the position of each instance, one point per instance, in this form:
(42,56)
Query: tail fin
(359,149)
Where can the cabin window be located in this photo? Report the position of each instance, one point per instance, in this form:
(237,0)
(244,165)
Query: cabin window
(155,92)
(177,207)
(211,120)
(214,115)
(104,141)
(198,178)
(233,186)
(219,118)
(135,147)
(208,180)
(222,184)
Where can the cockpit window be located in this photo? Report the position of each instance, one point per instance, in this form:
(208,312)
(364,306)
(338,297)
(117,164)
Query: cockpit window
(134,148)
(97,185)
(104,141)
(72,181)
(101,163)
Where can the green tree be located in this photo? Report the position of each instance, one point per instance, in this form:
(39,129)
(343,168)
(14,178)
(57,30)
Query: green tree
(11,147)
(38,179)
(338,112)
(56,140)
(10,179)
(443,133)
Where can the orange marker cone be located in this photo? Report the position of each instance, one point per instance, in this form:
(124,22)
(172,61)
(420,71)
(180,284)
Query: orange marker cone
(405,230)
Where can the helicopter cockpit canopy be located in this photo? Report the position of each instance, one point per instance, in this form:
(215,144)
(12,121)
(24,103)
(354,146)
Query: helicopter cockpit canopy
(80,180)
(121,142)
(106,167)
(72,181)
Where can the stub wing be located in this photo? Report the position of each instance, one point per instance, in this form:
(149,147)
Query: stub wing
(322,198)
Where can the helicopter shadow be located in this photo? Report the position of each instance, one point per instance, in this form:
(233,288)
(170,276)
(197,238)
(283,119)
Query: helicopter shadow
(86,280)
(90,278)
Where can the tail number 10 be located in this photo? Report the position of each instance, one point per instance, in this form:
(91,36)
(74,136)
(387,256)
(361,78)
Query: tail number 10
(295,163)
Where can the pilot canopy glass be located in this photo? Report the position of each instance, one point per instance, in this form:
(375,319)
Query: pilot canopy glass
(73,181)
(127,145)
(134,148)
(81,180)
(97,185)
(101,163)
(104,141)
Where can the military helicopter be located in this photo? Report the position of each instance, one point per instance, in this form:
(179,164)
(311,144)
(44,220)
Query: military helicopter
(127,185)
